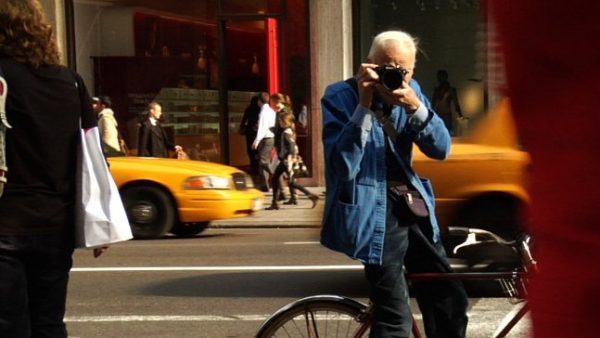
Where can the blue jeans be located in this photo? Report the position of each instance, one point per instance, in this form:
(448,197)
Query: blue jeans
(34,272)
(443,304)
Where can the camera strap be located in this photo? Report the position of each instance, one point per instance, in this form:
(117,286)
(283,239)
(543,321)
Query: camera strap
(379,113)
(386,123)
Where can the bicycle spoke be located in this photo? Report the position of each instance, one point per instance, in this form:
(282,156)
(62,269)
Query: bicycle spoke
(314,322)
(286,331)
(298,329)
(348,327)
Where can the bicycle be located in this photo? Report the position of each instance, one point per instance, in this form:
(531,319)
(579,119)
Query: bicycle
(338,316)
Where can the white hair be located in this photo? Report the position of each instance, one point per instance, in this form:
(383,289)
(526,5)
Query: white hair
(402,38)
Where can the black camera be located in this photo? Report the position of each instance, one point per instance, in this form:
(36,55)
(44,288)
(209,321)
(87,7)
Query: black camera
(390,76)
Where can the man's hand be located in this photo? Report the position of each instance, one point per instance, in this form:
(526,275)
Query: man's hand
(367,80)
(99,251)
(368,83)
(178,148)
(254,146)
(404,96)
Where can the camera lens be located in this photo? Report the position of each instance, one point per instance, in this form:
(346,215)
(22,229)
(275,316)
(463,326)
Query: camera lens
(392,78)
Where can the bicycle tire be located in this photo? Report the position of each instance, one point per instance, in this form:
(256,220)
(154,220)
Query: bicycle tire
(323,316)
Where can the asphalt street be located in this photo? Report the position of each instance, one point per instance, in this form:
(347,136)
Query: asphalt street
(223,283)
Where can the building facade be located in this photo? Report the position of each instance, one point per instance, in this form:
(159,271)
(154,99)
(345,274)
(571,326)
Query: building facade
(203,60)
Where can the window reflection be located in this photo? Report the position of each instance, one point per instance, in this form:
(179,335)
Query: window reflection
(138,51)
(251,7)
(452,38)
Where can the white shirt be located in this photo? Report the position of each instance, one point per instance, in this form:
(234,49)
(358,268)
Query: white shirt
(266,120)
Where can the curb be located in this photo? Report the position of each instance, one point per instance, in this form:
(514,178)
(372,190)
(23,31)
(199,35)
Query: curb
(264,226)
(300,216)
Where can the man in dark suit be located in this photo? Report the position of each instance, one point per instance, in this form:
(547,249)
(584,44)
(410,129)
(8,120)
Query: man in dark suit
(153,140)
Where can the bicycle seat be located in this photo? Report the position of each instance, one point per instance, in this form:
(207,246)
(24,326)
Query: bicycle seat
(484,251)
(488,256)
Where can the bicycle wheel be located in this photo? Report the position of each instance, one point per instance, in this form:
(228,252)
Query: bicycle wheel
(318,316)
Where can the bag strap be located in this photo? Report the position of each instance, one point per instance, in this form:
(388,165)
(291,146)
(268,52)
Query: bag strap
(3,96)
(122,143)
(3,127)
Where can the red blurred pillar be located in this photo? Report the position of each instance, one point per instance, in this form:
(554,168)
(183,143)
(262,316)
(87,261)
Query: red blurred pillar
(273,55)
(553,70)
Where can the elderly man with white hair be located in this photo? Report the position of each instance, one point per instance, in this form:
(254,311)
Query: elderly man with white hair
(378,210)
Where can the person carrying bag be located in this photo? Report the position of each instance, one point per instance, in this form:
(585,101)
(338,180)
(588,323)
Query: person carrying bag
(47,112)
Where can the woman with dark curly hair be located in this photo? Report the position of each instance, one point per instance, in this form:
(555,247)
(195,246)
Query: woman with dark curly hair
(45,104)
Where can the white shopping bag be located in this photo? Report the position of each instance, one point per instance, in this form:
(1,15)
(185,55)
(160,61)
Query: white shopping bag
(101,217)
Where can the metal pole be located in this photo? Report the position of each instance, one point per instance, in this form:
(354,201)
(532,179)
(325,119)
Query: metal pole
(223,84)
(70,34)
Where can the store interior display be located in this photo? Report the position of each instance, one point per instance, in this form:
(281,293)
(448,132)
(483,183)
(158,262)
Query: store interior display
(176,64)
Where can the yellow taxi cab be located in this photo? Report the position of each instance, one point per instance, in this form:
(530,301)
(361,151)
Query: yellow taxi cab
(181,196)
(483,183)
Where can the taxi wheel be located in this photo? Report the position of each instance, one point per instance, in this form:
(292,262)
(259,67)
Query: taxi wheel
(189,229)
(498,214)
(150,211)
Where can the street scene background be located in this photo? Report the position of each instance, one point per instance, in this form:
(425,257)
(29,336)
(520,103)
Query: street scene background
(226,281)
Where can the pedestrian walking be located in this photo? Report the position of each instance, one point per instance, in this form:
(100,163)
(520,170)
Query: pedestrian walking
(47,106)
(288,151)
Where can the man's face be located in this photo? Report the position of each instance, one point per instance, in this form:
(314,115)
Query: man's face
(394,54)
(277,106)
(96,106)
(156,112)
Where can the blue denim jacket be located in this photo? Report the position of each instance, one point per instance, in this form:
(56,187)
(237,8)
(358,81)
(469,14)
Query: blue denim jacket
(355,169)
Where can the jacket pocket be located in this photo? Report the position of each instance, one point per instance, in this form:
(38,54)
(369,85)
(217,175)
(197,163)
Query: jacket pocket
(346,224)
(347,193)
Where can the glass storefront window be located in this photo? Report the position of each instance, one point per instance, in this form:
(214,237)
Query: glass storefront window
(138,51)
(451,38)
(247,74)
(262,7)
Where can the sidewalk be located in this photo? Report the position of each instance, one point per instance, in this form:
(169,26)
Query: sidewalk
(297,216)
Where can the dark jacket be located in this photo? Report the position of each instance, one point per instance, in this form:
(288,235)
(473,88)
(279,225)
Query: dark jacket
(45,107)
(287,144)
(153,141)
